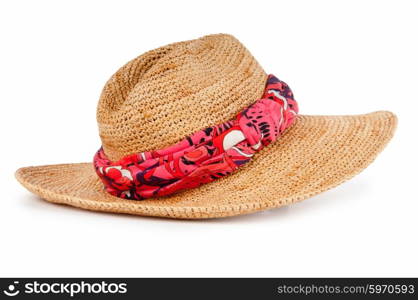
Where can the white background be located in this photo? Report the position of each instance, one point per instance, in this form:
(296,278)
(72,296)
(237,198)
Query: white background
(338,57)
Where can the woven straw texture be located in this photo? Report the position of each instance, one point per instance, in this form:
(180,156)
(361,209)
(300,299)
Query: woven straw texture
(168,93)
(316,154)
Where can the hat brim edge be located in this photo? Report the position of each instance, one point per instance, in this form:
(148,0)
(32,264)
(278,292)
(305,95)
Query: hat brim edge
(30,178)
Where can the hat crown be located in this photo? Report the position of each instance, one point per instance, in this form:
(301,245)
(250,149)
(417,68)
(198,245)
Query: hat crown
(168,93)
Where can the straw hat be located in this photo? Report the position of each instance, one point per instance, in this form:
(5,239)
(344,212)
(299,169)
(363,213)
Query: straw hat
(166,94)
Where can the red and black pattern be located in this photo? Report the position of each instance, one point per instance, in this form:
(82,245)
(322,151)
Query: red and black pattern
(204,156)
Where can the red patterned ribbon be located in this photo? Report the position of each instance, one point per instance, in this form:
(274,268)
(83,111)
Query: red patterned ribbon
(204,156)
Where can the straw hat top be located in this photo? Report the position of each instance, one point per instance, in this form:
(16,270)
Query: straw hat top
(168,93)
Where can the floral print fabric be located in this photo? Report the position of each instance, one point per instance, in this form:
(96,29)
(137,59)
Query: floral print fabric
(204,156)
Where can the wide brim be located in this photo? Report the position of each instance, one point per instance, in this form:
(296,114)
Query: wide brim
(314,155)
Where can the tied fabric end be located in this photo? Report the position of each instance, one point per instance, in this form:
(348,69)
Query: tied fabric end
(204,156)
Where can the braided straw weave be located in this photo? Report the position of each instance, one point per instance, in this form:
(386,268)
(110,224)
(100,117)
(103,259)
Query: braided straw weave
(166,94)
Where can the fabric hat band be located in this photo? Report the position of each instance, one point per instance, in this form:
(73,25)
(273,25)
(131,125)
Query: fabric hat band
(204,156)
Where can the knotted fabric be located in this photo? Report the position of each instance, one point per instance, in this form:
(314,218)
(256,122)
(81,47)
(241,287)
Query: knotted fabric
(204,156)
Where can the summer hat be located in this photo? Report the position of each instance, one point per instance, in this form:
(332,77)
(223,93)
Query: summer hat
(197,129)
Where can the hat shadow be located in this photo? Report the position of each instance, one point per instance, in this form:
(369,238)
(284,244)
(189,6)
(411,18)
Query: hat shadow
(343,193)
